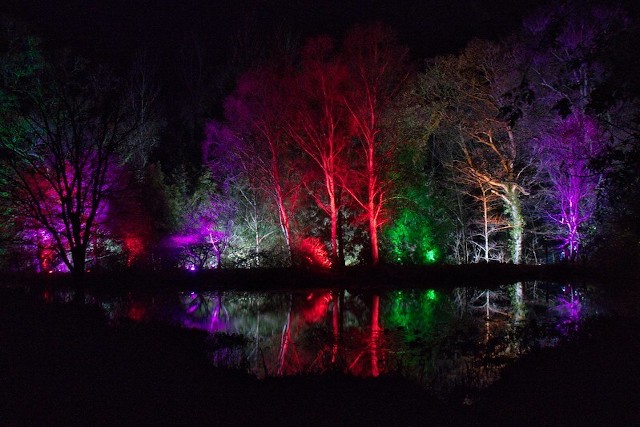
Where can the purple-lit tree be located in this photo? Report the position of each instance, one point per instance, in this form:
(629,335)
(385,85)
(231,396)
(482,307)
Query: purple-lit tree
(206,222)
(64,139)
(568,46)
(565,156)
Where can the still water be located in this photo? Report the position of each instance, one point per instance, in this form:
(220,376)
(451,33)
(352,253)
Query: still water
(446,340)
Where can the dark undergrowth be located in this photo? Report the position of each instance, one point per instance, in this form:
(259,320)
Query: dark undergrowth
(441,276)
(62,364)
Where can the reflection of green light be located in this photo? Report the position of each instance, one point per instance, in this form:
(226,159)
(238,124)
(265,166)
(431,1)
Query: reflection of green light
(413,310)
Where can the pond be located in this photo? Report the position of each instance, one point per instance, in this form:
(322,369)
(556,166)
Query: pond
(449,341)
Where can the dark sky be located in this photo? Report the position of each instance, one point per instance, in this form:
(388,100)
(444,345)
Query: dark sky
(113,28)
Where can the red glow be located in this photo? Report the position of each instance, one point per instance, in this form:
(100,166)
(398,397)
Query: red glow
(375,331)
(47,296)
(314,253)
(318,307)
(136,311)
(134,246)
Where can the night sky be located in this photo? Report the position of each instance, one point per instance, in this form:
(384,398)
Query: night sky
(112,29)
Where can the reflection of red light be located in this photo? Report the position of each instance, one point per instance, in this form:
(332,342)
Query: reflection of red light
(134,246)
(46,295)
(136,312)
(319,304)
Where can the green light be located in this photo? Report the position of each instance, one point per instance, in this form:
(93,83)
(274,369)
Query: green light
(414,236)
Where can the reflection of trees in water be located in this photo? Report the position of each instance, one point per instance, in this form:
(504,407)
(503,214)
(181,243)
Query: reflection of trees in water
(476,333)
(456,342)
(570,307)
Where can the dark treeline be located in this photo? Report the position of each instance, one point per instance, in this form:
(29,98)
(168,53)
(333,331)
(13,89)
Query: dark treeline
(276,148)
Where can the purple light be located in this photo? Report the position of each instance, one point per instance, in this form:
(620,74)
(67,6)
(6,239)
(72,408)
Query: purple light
(569,308)
(567,152)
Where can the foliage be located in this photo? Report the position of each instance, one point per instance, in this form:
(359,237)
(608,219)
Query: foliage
(416,235)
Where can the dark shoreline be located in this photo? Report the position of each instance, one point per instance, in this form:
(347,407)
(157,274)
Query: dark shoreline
(359,278)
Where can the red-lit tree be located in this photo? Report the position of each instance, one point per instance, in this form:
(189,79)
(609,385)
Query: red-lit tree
(316,123)
(377,66)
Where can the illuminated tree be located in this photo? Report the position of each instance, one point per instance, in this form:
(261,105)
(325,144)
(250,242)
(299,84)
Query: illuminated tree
(465,95)
(566,153)
(377,67)
(65,133)
(255,113)
(568,47)
(317,125)
(414,237)
(205,224)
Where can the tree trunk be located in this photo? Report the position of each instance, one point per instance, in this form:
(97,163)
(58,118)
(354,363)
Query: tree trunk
(78,254)
(285,340)
(375,332)
(335,323)
(485,212)
(518,302)
(517,224)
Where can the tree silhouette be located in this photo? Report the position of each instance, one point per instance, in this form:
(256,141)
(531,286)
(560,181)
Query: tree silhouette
(64,137)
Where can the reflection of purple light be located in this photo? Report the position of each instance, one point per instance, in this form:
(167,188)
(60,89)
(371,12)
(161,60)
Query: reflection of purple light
(570,310)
